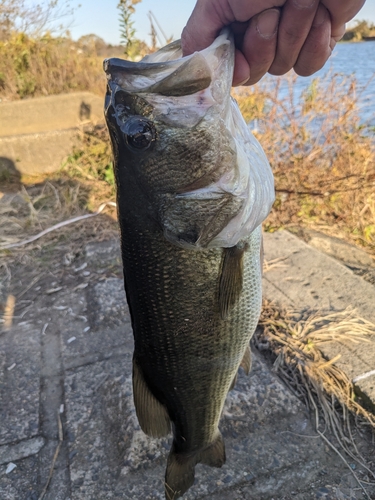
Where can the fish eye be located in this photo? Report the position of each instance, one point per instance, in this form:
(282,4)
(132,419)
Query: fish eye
(139,133)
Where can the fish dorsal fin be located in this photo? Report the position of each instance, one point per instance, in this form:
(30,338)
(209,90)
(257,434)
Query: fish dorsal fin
(231,278)
(152,415)
(192,76)
(246,361)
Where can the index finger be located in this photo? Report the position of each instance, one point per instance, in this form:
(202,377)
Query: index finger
(342,11)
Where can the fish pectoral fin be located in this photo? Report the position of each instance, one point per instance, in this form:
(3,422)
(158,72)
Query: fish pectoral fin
(246,361)
(152,415)
(180,474)
(214,455)
(231,278)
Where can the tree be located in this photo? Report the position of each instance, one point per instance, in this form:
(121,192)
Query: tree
(127,30)
(32,19)
(359,30)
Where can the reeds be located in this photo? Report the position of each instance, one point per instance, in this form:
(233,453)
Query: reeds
(322,155)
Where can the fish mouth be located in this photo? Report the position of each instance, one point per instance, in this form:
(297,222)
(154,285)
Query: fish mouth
(235,191)
(167,73)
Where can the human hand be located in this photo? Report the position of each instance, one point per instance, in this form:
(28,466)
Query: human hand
(271,35)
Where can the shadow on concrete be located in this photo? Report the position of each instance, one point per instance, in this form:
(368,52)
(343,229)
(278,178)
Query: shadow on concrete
(9,175)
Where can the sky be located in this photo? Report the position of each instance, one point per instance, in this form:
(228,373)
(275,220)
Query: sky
(102,18)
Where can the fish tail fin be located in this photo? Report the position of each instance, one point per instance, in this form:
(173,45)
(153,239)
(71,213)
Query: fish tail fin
(214,455)
(180,473)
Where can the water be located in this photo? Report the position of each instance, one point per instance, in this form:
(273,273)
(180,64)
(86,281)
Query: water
(356,59)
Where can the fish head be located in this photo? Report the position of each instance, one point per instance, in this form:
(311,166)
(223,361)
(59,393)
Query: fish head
(174,134)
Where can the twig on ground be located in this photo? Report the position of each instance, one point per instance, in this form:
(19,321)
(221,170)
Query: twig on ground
(58,226)
(61,438)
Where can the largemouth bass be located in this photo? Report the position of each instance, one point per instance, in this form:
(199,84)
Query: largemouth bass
(193,187)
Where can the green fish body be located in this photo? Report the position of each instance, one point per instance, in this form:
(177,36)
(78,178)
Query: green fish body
(193,186)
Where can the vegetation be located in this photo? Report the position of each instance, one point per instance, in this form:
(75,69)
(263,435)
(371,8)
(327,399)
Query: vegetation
(359,31)
(34,19)
(48,65)
(36,61)
(322,157)
(127,31)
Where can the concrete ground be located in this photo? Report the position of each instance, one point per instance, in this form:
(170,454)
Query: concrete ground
(66,396)
(42,141)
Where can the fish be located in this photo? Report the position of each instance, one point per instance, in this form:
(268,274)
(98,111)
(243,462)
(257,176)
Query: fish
(193,187)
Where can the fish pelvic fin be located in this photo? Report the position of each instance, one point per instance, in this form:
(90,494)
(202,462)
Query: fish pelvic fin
(152,415)
(246,361)
(180,473)
(231,279)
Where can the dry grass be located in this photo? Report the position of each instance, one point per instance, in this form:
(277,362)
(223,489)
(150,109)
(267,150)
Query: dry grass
(34,67)
(322,157)
(293,341)
(83,183)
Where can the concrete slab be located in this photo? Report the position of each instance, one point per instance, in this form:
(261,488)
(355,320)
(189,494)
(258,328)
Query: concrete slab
(37,135)
(55,112)
(22,482)
(40,153)
(308,278)
(339,249)
(20,365)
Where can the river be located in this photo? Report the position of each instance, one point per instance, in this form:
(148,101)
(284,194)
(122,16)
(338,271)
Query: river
(350,59)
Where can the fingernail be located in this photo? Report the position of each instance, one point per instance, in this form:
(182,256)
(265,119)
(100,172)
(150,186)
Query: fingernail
(320,16)
(267,23)
(242,83)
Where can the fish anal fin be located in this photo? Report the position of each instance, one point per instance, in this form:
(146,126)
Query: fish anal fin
(180,474)
(246,361)
(214,455)
(231,279)
(152,415)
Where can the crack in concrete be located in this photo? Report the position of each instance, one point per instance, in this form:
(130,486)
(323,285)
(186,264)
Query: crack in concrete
(52,398)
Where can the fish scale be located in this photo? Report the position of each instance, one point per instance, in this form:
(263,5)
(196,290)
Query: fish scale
(193,186)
